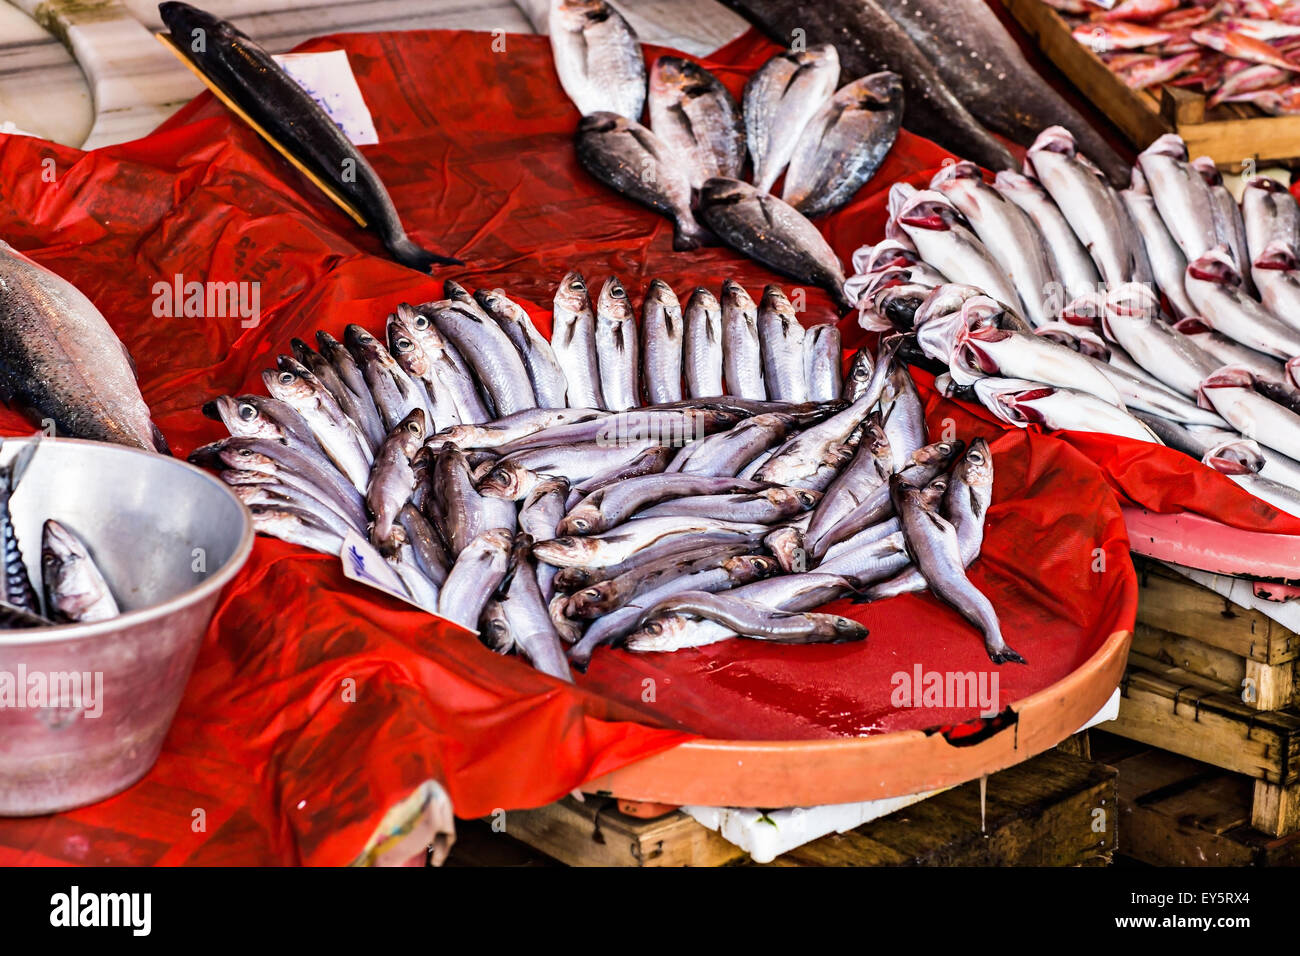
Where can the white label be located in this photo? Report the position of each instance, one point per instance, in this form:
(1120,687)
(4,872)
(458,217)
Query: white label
(328,79)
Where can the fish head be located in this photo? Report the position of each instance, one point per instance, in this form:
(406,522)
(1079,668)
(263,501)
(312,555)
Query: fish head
(182,20)
(570,579)
(1170,146)
(661,294)
(929,210)
(702,300)
(614,301)
(734,296)
(241,417)
(592,600)
(494,629)
(680,79)
(1208,170)
(895,253)
(893,306)
(1217,266)
(721,191)
(72,584)
(1235,456)
(775,300)
(1010,399)
(952,170)
(787,546)
(405,347)
(577,15)
(932,494)
(1227,377)
(1011,183)
(458,294)
(1278,255)
(861,368)
(603,124)
(583,519)
(566,549)
(411,430)
(1133,304)
(877,92)
(664,631)
(292,383)
(507,479)
(572,296)
(937,454)
(976,466)
(795,500)
(838,629)
(1053,141)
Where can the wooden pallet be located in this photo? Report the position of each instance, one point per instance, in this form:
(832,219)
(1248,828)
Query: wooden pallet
(1175,811)
(1053,810)
(1232,134)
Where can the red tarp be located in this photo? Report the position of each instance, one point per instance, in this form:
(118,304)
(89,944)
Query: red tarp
(476,151)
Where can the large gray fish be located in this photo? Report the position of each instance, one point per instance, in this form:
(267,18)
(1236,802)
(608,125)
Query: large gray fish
(18,591)
(62,361)
(1010,235)
(480,567)
(782,338)
(868,41)
(770,231)
(1276,274)
(697,118)
(821,355)
(1077,271)
(933,546)
(1094,210)
(544,371)
(337,434)
(780,98)
(702,355)
(1214,286)
(1226,351)
(616,348)
(1020,402)
(251,78)
(526,612)
(844,144)
(1168,264)
(597,57)
(742,351)
(392,480)
(631,160)
(662,331)
(75,589)
(573,337)
(490,353)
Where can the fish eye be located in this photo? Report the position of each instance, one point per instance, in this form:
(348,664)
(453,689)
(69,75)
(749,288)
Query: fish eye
(592,593)
(413,428)
(617,292)
(421,322)
(580,523)
(287,378)
(244,452)
(404,345)
(977,457)
(247,412)
(806,499)
(577,285)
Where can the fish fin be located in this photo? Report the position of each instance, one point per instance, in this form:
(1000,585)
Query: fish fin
(1004,655)
(19,465)
(414,257)
(159,440)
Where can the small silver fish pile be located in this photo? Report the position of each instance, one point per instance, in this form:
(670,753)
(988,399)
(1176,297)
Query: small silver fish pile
(73,587)
(1166,312)
(827,142)
(609,484)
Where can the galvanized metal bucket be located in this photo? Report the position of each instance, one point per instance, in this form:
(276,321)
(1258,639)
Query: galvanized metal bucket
(84,708)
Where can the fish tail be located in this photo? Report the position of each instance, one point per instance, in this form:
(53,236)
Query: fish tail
(159,441)
(412,256)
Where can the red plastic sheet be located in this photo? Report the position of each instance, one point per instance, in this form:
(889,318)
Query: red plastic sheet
(476,150)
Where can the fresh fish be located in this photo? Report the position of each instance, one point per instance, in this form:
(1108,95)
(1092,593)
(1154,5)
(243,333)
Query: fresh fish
(1240,46)
(768,506)
(868,472)
(491,355)
(18,591)
(727,453)
(392,480)
(1093,209)
(602,597)
(862,369)
(479,568)
(649,461)
(540,515)
(904,416)
(1077,272)
(1228,224)
(573,337)
(465,513)
(350,405)
(296,527)
(256,488)
(1018,402)
(933,223)
(544,371)
(337,434)
(806,453)
(782,338)
(703,345)
(1186,203)
(844,144)
(440,403)
(613,547)
(1270,214)
(616,348)
(665,425)
(610,506)
(663,330)
(62,361)
(512,428)
(395,393)
(1140,394)
(632,161)
(1277,276)
(426,544)
(742,352)
(364,412)
(771,232)
(695,116)
(448,365)
(291,117)
(514,476)
(1215,289)
(1168,264)
(258,416)
(933,546)
(598,57)
(757,621)
(780,99)
(1231,393)
(528,616)
(821,351)
(1131,317)
(868,40)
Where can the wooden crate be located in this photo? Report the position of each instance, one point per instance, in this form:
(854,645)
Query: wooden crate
(1232,134)
(1175,811)
(1053,810)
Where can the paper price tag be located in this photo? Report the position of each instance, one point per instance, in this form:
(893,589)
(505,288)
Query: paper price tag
(329,79)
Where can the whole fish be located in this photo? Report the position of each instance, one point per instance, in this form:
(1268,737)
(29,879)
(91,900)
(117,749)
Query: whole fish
(448,365)
(903,424)
(844,144)
(665,425)
(440,403)
(1228,224)
(520,425)
(782,338)
(869,470)
(337,434)
(780,98)
(395,393)
(63,362)
(1093,209)
(540,514)
(1168,264)
(868,41)
(727,453)
(616,348)
(256,488)
(662,331)
(1010,236)
(1140,394)
(602,597)
(490,353)
(742,352)
(771,232)
(533,632)
(612,547)
(696,118)
(631,160)
(291,117)
(18,591)
(392,480)
(607,507)
(1018,402)
(1214,286)
(1077,272)
(1226,351)
(757,621)
(1270,214)
(932,544)
(1131,317)
(349,373)
(768,506)
(259,416)
(465,513)
(544,371)
(349,403)
(75,590)
(1185,201)
(573,337)
(821,352)
(296,527)
(1231,393)
(933,223)
(597,57)
(479,568)
(703,345)
(861,371)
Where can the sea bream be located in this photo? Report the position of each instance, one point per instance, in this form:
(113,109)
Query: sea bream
(697,118)
(597,57)
(63,362)
(779,99)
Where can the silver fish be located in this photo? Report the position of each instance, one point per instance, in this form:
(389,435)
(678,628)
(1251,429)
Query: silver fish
(757,621)
(514,476)
(549,383)
(395,393)
(573,337)
(392,480)
(521,424)
(703,345)
(1020,402)
(351,405)
(727,453)
(255,488)
(1168,264)
(760,507)
(464,512)
(426,544)
(616,348)
(533,632)
(697,118)
(1230,391)
(1077,272)
(491,355)
(613,547)
(75,590)
(337,434)
(662,330)
(480,567)
(1215,289)
(363,411)
(904,416)
(1228,224)
(597,57)
(1270,214)
(296,527)
(742,353)
(1185,202)
(440,402)
(782,336)
(610,506)
(821,347)
(1131,317)
(780,99)
(446,362)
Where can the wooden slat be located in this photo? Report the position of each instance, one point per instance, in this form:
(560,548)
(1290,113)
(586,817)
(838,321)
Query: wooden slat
(1275,810)
(1269,686)
(1224,668)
